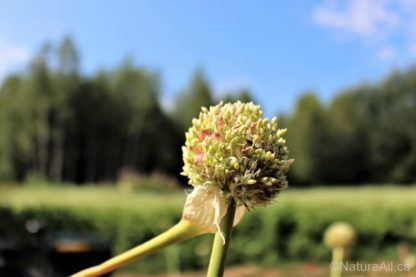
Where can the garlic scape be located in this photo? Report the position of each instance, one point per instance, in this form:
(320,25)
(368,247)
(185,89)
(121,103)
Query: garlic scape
(236,160)
(234,152)
(339,237)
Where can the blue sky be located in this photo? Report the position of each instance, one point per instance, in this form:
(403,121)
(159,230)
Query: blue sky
(279,49)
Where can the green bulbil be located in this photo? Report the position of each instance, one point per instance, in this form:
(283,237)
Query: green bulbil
(232,147)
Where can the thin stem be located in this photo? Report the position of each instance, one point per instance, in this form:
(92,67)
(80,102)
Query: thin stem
(181,231)
(220,245)
(337,257)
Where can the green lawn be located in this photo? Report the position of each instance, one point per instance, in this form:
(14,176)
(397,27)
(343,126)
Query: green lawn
(289,231)
(111,197)
(101,197)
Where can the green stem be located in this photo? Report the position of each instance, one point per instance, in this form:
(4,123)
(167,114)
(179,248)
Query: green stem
(181,231)
(220,246)
(337,257)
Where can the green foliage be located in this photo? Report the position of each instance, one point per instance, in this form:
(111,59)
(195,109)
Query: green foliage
(189,102)
(61,125)
(290,230)
(348,128)
(307,139)
(366,133)
(243,95)
(393,135)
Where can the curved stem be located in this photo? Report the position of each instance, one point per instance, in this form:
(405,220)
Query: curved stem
(181,231)
(220,245)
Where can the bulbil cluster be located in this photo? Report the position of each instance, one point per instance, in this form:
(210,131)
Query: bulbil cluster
(232,147)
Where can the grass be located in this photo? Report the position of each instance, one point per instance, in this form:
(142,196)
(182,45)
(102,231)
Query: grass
(357,196)
(288,231)
(99,197)
(107,197)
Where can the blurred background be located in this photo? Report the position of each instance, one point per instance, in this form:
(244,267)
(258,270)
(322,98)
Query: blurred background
(95,98)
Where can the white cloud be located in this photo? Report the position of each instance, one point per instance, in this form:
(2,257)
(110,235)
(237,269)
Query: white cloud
(386,53)
(376,22)
(11,56)
(365,18)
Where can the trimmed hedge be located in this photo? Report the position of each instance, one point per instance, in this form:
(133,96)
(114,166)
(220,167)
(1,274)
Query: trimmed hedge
(291,230)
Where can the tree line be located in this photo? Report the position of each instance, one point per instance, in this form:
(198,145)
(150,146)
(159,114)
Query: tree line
(66,126)
(367,133)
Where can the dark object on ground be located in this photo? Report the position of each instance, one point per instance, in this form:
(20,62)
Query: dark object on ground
(10,262)
(72,252)
(35,251)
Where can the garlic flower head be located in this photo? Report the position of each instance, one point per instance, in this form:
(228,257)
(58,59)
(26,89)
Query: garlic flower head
(232,148)
(340,234)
